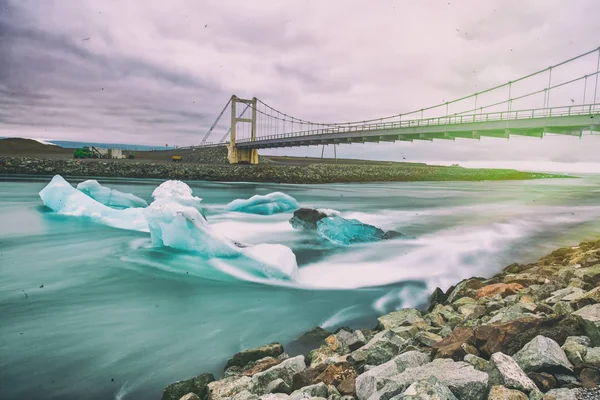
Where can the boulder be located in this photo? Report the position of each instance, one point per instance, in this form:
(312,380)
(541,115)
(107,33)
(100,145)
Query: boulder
(228,387)
(307,341)
(464,288)
(353,340)
(590,274)
(197,385)
(590,317)
(504,371)
(404,317)
(503,393)
(562,394)
(575,347)
(190,396)
(465,382)
(329,352)
(335,374)
(452,345)
(427,338)
(274,396)
(502,289)
(381,348)
(245,395)
(543,380)
(592,356)
(307,218)
(562,308)
(318,390)
(556,328)
(589,377)
(308,376)
(347,387)
(543,355)
(478,363)
(428,389)
(278,386)
(366,383)
(566,294)
(285,370)
(244,357)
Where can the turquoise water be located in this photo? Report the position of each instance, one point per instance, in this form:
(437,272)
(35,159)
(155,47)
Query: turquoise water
(88,311)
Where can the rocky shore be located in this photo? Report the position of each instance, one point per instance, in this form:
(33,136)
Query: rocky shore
(529,332)
(310,173)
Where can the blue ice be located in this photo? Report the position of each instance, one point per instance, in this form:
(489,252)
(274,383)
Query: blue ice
(350,231)
(110,197)
(272,203)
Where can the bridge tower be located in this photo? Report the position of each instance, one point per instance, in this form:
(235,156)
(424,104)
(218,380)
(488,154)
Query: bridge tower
(235,155)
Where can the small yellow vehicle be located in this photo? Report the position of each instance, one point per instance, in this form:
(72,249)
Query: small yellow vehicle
(176,158)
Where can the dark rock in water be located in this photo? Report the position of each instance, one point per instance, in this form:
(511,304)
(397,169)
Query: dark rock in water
(307,218)
(307,341)
(244,357)
(197,385)
(392,235)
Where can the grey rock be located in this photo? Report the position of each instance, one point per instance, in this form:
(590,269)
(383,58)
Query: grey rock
(564,294)
(536,395)
(575,347)
(285,370)
(244,357)
(430,389)
(592,356)
(407,316)
(366,383)
(505,371)
(499,392)
(317,390)
(562,308)
(381,348)
(278,386)
(564,380)
(590,316)
(478,363)
(197,385)
(274,396)
(190,396)
(563,394)
(542,354)
(353,340)
(228,387)
(428,338)
(462,379)
(245,395)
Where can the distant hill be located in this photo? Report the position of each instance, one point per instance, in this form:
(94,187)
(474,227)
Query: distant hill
(23,147)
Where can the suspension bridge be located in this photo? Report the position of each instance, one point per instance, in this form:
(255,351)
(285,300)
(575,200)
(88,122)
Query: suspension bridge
(560,99)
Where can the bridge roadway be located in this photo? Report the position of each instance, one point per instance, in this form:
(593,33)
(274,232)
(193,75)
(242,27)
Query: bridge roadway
(567,120)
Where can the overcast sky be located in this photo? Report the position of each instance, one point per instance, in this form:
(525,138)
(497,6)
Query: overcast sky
(158,72)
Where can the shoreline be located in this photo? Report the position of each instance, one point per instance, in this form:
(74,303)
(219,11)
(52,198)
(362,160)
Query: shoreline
(531,331)
(267,172)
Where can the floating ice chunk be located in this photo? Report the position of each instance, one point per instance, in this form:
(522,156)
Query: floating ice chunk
(110,197)
(64,199)
(348,231)
(178,192)
(271,203)
(183,227)
(329,212)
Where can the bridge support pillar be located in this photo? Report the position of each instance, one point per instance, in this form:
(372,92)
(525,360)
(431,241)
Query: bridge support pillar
(236,155)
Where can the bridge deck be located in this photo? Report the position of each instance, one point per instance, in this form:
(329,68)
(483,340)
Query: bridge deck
(571,120)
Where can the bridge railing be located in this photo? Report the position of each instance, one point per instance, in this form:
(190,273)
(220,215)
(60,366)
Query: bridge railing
(586,109)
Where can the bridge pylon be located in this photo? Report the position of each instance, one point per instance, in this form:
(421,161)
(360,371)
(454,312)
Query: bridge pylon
(234,154)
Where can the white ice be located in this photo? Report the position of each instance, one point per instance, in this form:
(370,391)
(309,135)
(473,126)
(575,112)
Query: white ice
(64,199)
(174,220)
(110,197)
(271,203)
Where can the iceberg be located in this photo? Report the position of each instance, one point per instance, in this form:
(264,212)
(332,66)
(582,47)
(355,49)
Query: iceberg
(178,192)
(64,199)
(110,197)
(350,231)
(174,219)
(185,228)
(271,203)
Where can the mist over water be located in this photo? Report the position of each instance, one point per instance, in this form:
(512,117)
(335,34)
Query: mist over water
(118,319)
